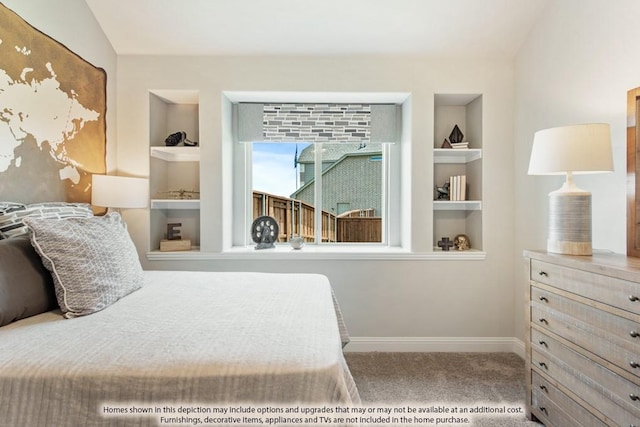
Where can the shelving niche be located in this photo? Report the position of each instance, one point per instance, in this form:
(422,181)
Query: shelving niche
(451,218)
(174,168)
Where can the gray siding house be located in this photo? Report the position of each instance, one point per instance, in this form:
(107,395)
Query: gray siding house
(351,177)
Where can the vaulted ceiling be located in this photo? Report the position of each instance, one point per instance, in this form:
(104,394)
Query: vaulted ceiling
(451,29)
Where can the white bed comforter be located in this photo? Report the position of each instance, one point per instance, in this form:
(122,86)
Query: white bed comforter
(184,337)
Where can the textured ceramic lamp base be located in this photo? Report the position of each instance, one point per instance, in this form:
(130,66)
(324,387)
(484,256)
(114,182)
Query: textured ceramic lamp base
(569,223)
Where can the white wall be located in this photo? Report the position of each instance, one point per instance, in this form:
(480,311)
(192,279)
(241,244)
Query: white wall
(576,66)
(72,23)
(378,298)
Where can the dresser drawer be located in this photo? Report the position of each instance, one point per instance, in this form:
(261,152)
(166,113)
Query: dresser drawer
(603,389)
(619,293)
(572,379)
(619,348)
(605,324)
(555,408)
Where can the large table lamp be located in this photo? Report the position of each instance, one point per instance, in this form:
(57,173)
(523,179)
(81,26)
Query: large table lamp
(112,191)
(569,150)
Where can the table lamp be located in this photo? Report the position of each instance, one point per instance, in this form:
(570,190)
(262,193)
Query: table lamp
(112,191)
(569,150)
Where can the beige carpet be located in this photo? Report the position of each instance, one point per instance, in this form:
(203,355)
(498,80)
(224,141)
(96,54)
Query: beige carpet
(451,380)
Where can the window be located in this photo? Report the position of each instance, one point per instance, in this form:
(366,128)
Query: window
(340,202)
(337,180)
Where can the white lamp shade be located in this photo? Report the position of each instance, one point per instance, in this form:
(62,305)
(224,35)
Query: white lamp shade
(578,149)
(119,191)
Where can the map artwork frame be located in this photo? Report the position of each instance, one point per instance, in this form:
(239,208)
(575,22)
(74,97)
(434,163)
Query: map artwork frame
(52,117)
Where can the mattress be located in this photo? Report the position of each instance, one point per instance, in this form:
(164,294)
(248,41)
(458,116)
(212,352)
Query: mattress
(184,337)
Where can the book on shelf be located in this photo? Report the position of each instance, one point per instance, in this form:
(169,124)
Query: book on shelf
(458,188)
(459,145)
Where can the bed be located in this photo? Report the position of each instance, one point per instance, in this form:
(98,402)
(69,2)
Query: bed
(208,338)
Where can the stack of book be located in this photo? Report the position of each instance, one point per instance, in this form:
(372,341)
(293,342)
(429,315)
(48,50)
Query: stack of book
(459,145)
(458,188)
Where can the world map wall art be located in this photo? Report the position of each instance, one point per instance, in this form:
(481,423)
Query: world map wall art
(52,117)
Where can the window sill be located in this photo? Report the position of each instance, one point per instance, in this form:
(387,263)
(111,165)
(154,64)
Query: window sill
(319,253)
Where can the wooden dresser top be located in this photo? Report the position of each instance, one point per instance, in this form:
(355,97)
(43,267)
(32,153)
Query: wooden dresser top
(609,264)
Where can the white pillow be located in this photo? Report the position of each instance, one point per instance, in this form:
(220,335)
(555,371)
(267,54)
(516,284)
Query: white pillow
(92,260)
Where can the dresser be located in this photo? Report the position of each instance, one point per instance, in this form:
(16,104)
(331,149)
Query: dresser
(583,339)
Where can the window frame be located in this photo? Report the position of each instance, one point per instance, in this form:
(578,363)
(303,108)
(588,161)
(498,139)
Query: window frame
(242,189)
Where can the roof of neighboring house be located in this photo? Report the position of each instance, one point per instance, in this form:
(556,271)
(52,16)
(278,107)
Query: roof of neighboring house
(333,152)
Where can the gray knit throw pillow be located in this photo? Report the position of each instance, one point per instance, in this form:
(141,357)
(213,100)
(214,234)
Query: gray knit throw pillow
(92,260)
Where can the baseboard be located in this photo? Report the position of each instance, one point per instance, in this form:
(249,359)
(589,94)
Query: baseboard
(436,344)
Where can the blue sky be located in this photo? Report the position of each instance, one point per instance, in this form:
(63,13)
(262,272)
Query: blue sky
(273,170)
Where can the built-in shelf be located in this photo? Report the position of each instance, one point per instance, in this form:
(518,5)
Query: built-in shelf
(176,154)
(460,205)
(175,204)
(455,217)
(455,155)
(284,252)
(193,253)
(174,171)
(466,254)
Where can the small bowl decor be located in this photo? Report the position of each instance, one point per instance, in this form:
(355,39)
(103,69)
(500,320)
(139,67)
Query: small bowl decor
(296,242)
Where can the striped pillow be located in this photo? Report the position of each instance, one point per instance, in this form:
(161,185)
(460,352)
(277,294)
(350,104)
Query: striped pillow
(12,215)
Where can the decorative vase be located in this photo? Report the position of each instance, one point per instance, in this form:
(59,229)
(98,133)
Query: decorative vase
(296,242)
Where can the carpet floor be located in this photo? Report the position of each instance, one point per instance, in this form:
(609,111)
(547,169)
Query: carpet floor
(477,386)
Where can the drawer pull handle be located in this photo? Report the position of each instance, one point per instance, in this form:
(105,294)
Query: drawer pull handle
(543,343)
(542,273)
(634,334)
(634,365)
(634,397)
(543,320)
(543,298)
(633,298)
(544,388)
(543,365)
(543,409)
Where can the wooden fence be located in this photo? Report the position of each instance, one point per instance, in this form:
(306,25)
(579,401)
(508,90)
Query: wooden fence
(365,229)
(296,217)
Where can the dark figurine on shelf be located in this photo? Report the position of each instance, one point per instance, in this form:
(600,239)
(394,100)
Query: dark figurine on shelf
(446,144)
(443,192)
(173,231)
(179,139)
(445,244)
(456,135)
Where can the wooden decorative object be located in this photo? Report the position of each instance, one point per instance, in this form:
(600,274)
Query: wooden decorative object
(633,159)
(174,241)
(175,245)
